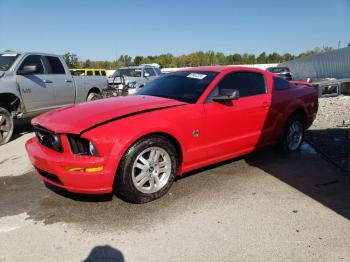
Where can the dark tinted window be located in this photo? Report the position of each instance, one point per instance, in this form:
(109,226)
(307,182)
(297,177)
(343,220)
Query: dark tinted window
(149,71)
(280,84)
(56,65)
(247,83)
(97,73)
(103,72)
(182,86)
(158,71)
(34,60)
(89,73)
(278,70)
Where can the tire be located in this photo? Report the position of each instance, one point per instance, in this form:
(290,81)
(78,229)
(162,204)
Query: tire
(6,126)
(93,96)
(133,182)
(293,134)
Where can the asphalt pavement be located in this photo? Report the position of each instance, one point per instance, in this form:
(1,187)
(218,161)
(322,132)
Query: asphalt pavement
(261,207)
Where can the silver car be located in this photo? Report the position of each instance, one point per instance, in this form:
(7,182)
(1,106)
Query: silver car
(32,83)
(130,79)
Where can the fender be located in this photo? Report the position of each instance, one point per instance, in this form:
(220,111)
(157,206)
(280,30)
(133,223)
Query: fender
(295,105)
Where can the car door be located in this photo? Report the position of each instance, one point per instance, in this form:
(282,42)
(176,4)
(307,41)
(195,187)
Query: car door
(36,88)
(61,82)
(237,126)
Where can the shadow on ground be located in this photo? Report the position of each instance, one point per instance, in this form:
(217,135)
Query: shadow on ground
(307,172)
(334,143)
(105,253)
(22,127)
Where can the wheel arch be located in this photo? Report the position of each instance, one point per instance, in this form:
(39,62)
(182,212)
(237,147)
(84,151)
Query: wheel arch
(94,90)
(10,101)
(172,139)
(299,111)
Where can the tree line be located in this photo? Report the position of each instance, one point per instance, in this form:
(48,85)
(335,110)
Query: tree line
(199,58)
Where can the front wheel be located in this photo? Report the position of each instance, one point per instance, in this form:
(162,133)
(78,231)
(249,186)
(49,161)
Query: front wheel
(6,126)
(147,170)
(293,134)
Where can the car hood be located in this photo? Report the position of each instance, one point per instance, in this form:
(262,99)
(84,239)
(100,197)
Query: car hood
(76,119)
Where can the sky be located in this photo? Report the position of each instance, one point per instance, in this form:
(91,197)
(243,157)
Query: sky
(106,29)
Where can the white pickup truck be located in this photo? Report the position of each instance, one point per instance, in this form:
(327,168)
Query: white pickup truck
(32,83)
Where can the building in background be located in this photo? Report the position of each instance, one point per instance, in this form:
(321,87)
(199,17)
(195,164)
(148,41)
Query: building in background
(333,64)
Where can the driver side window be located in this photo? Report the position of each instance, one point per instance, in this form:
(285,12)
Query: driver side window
(34,60)
(247,83)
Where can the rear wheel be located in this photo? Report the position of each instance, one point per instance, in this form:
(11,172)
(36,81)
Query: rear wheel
(293,134)
(147,170)
(6,126)
(93,96)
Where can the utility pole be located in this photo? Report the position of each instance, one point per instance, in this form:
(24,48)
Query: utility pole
(338,44)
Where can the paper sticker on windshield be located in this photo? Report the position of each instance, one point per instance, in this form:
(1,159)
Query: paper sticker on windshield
(8,54)
(196,76)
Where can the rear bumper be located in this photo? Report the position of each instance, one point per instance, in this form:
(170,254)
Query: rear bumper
(51,167)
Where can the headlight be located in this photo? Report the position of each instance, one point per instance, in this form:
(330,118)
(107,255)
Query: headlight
(48,138)
(92,149)
(56,143)
(82,146)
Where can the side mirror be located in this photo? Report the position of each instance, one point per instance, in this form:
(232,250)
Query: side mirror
(226,95)
(28,70)
(146,74)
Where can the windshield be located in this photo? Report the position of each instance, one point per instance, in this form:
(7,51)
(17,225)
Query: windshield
(131,72)
(6,61)
(183,86)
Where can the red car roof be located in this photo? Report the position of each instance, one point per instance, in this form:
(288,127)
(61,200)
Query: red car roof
(222,68)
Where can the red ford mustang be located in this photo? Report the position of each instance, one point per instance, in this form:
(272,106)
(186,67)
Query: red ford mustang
(137,145)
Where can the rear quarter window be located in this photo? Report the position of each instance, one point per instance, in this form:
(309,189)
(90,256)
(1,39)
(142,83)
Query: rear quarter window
(280,84)
(56,65)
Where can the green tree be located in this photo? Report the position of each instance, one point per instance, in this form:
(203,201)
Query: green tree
(262,58)
(137,60)
(87,64)
(72,60)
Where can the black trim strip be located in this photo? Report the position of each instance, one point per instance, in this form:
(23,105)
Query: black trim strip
(127,115)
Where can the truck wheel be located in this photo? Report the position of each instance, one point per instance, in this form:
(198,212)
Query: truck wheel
(147,170)
(293,134)
(93,96)
(6,126)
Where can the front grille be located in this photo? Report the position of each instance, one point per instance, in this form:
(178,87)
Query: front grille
(48,138)
(49,176)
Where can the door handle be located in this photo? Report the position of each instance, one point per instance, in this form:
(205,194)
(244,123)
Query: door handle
(47,81)
(68,81)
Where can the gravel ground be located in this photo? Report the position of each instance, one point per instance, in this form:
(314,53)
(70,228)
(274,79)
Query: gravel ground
(330,132)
